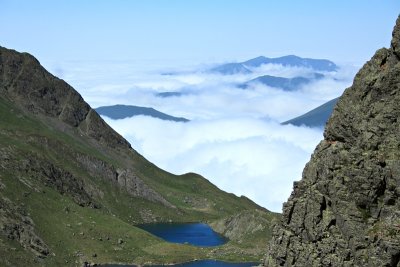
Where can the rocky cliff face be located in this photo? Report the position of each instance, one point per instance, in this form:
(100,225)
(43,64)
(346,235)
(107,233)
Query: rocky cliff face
(346,209)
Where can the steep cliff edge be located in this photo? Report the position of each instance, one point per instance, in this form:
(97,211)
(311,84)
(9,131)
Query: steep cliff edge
(345,211)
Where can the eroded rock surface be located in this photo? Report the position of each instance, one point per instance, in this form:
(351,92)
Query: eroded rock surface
(15,224)
(346,210)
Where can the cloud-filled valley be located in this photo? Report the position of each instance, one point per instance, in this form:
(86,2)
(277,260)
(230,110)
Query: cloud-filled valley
(234,137)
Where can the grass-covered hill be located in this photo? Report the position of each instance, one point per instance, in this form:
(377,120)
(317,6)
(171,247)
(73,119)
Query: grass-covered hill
(72,189)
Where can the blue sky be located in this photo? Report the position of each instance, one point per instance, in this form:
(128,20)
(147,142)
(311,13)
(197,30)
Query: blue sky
(198,31)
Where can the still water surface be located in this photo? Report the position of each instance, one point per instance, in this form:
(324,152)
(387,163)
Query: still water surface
(197,234)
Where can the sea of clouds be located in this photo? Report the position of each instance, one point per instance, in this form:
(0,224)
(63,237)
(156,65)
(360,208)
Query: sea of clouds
(234,137)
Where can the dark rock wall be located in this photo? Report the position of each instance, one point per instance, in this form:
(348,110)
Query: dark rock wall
(346,209)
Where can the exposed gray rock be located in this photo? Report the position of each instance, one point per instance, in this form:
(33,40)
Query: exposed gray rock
(243,224)
(17,225)
(346,210)
(123,178)
(34,168)
(136,187)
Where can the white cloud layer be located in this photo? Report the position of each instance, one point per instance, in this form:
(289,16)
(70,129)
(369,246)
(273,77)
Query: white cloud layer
(234,138)
(252,157)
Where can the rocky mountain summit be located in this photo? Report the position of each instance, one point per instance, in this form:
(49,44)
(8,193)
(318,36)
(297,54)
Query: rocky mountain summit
(345,211)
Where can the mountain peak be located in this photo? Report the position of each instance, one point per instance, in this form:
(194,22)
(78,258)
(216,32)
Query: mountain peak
(260,57)
(290,57)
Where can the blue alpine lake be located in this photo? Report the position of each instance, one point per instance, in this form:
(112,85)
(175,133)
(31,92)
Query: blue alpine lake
(202,263)
(197,234)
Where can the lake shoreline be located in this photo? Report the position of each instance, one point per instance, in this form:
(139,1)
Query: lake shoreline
(197,234)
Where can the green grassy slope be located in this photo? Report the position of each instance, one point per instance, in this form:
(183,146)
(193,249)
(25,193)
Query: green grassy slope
(63,202)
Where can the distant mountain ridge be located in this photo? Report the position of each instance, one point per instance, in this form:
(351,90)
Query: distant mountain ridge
(231,68)
(169,94)
(294,61)
(287,61)
(316,117)
(287,84)
(116,112)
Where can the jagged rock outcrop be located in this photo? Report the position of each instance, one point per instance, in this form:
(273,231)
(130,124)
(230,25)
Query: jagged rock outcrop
(124,178)
(346,209)
(242,225)
(15,223)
